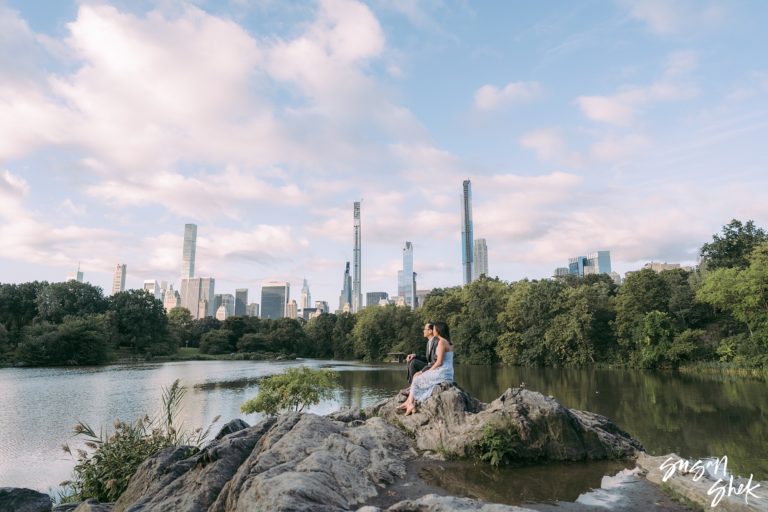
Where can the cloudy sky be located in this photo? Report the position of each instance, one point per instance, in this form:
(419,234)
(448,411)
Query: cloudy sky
(637,126)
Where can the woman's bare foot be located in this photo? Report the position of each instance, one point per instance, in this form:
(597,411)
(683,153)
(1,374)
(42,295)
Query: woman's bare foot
(403,406)
(410,410)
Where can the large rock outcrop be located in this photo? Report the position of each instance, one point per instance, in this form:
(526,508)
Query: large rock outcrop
(534,427)
(16,499)
(342,461)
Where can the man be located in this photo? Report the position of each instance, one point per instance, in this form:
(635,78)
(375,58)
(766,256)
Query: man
(417,363)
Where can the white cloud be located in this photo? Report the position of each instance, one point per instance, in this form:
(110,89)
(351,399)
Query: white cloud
(205,196)
(549,145)
(619,148)
(623,107)
(669,17)
(490,97)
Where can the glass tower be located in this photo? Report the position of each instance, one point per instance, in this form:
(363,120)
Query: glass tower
(188,253)
(467,249)
(407,285)
(241,301)
(481,259)
(274,296)
(357,293)
(118,281)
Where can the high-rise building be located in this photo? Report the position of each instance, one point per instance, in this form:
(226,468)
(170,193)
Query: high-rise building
(373,298)
(467,250)
(221,313)
(171,299)
(306,297)
(118,281)
(576,265)
(197,295)
(252,309)
(322,306)
(77,275)
(357,292)
(406,286)
(480,267)
(152,287)
(228,301)
(188,251)
(600,261)
(292,309)
(241,301)
(274,296)
(345,298)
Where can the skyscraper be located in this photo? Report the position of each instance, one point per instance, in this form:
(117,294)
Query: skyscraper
(188,252)
(407,285)
(118,281)
(197,295)
(357,292)
(467,250)
(480,267)
(306,297)
(292,309)
(345,298)
(77,275)
(274,296)
(241,301)
(152,287)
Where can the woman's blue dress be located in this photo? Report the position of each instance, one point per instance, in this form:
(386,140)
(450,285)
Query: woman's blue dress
(423,384)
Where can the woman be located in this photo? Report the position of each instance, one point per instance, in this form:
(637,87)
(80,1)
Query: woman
(441,371)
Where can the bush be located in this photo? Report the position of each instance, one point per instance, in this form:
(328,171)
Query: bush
(497,447)
(292,390)
(104,474)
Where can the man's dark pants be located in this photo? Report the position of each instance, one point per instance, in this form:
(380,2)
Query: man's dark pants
(415,365)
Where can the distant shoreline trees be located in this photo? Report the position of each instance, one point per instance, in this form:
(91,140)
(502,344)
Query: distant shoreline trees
(715,313)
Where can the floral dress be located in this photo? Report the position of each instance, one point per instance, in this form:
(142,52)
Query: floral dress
(423,384)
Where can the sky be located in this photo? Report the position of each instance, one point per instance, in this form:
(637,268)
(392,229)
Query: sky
(635,126)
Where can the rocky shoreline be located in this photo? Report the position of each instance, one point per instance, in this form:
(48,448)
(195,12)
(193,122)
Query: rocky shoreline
(369,460)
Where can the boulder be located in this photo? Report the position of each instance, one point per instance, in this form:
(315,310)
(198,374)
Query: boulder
(231,427)
(435,503)
(305,462)
(522,425)
(15,499)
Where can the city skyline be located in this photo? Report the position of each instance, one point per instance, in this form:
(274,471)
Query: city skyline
(631,126)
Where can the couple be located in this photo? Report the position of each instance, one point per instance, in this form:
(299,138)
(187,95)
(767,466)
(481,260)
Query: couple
(439,367)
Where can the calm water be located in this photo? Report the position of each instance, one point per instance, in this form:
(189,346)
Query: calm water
(694,416)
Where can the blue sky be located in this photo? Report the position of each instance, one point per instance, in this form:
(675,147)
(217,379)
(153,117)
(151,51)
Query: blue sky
(639,127)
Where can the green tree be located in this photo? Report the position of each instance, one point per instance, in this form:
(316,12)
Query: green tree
(733,247)
(71,298)
(342,336)
(202,326)
(642,292)
(216,342)
(253,342)
(180,324)
(18,308)
(292,390)
(529,310)
(320,334)
(379,330)
(286,336)
(476,329)
(140,323)
(75,341)
(443,304)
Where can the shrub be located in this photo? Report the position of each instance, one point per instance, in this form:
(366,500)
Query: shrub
(105,472)
(292,390)
(496,447)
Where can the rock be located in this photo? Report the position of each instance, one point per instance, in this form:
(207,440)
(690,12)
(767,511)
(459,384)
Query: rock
(171,480)
(231,427)
(93,506)
(435,503)
(305,462)
(534,427)
(15,499)
(699,488)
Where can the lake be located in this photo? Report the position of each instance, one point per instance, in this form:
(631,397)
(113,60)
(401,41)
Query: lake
(694,416)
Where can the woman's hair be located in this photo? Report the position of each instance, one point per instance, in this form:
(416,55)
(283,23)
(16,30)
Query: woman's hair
(442,330)
(430,324)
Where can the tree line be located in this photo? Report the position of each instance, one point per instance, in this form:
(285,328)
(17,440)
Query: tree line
(717,312)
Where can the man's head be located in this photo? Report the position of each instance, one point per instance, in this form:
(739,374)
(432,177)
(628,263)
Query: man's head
(429,330)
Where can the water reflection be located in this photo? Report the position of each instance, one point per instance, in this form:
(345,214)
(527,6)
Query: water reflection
(692,415)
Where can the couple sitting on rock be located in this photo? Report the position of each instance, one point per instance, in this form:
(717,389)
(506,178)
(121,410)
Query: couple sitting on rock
(425,375)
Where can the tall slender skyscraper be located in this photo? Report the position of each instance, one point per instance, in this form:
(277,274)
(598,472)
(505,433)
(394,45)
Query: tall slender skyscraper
(407,285)
(481,259)
(467,250)
(118,281)
(345,298)
(357,292)
(188,253)
(306,297)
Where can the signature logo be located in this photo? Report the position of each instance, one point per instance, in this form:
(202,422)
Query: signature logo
(716,469)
